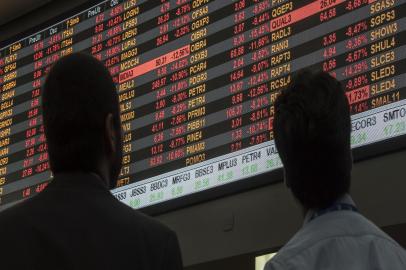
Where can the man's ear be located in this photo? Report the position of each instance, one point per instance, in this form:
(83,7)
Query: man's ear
(110,134)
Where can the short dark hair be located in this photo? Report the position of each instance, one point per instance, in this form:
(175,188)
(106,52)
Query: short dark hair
(78,94)
(312,128)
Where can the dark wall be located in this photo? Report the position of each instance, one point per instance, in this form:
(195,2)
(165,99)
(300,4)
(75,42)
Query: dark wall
(36,17)
(264,218)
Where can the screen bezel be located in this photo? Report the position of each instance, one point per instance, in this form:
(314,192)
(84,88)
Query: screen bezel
(391,145)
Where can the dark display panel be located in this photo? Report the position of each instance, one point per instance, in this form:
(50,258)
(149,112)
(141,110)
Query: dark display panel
(197,81)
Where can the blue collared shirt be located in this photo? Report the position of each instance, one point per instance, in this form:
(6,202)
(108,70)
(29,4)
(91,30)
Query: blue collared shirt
(343,240)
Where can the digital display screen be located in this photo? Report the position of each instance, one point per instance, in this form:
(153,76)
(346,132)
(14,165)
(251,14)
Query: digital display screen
(197,81)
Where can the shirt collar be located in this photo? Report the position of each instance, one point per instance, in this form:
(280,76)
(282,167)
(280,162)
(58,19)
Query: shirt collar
(346,198)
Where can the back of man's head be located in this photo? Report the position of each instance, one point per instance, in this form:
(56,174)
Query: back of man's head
(78,95)
(312,129)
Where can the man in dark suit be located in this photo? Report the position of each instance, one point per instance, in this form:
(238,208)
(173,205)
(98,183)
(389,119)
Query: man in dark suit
(76,223)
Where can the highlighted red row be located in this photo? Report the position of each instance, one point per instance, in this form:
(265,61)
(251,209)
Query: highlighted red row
(358,95)
(302,13)
(154,64)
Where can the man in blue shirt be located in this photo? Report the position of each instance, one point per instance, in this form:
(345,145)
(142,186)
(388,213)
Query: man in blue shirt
(312,128)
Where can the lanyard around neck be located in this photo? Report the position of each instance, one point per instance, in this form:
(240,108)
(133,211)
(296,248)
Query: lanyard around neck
(334,208)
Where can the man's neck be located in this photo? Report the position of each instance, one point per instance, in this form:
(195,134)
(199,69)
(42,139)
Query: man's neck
(102,180)
(103,172)
(308,213)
